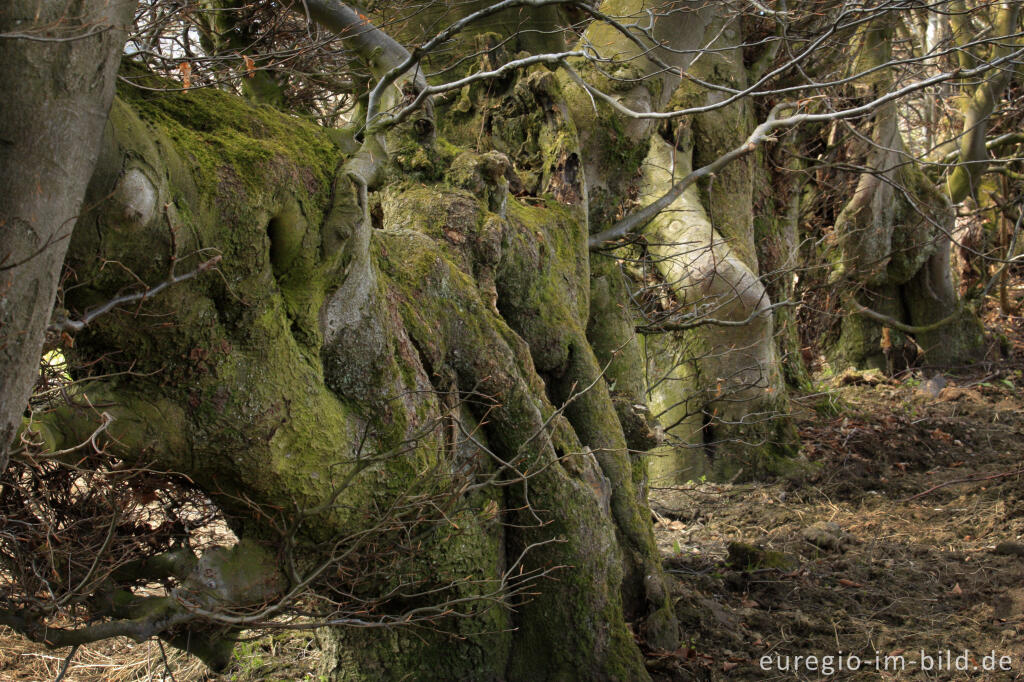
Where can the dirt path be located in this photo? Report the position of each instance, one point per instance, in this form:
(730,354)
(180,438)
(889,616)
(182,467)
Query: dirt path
(905,538)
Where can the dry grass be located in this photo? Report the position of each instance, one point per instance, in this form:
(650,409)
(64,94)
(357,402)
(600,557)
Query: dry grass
(285,657)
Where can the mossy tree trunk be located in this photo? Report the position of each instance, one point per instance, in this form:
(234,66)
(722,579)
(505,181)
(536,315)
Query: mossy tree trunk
(779,195)
(980,100)
(373,330)
(716,389)
(893,240)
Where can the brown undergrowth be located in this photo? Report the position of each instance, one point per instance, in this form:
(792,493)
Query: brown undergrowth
(905,542)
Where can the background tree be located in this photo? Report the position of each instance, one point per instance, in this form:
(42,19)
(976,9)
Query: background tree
(405,295)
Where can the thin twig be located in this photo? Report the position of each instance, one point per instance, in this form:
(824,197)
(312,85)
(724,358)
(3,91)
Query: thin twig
(167,664)
(67,663)
(77,325)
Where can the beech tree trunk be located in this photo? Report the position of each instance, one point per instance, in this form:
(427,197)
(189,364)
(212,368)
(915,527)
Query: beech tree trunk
(59,62)
(893,243)
(342,328)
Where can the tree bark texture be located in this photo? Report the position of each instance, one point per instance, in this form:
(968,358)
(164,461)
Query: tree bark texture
(60,60)
(343,325)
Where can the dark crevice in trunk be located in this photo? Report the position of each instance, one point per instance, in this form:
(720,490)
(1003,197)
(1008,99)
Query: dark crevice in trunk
(707,431)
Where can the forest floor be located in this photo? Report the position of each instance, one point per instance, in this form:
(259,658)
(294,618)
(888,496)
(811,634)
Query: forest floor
(902,553)
(901,549)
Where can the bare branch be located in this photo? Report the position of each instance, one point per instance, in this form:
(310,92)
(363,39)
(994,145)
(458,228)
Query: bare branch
(69,325)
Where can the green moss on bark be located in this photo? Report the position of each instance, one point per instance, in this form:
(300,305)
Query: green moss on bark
(265,378)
